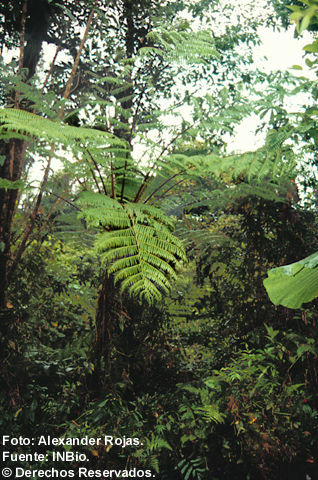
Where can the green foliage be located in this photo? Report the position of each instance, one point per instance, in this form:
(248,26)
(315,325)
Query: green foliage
(304,16)
(187,46)
(191,469)
(138,248)
(295,284)
(10,184)
(264,170)
(21,124)
(211,393)
(261,386)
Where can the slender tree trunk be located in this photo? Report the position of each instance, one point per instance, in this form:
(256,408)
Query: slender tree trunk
(14,153)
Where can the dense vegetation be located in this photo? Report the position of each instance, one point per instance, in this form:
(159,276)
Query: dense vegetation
(134,245)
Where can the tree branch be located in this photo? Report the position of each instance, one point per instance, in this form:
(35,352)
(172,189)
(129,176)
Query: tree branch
(33,215)
(77,59)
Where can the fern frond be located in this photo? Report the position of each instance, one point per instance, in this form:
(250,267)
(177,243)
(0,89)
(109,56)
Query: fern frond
(191,469)
(19,123)
(140,249)
(47,104)
(156,443)
(255,166)
(10,184)
(211,413)
(186,46)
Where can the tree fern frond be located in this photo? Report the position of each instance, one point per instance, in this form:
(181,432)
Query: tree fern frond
(191,47)
(275,165)
(140,250)
(47,104)
(19,122)
(132,273)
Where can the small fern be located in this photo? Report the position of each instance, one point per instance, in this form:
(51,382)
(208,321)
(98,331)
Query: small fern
(211,413)
(11,185)
(191,469)
(156,443)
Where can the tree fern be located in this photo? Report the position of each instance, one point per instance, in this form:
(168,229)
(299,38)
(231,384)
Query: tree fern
(137,242)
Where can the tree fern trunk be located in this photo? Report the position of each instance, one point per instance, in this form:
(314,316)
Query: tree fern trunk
(108,306)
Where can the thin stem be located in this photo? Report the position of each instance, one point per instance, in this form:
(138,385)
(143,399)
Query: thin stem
(64,199)
(95,180)
(133,124)
(168,190)
(22,39)
(57,202)
(17,94)
(148,176)
(112,175)
(33,215)
(79,181)
(58,48)
(163,184)
(98,170)
(77,83)
(77,59)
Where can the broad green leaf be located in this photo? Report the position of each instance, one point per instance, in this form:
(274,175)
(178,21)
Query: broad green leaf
(309,63)
(294,284)
(294,8)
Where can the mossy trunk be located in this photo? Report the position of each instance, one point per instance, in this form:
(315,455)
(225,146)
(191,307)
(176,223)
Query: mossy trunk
(108,309)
